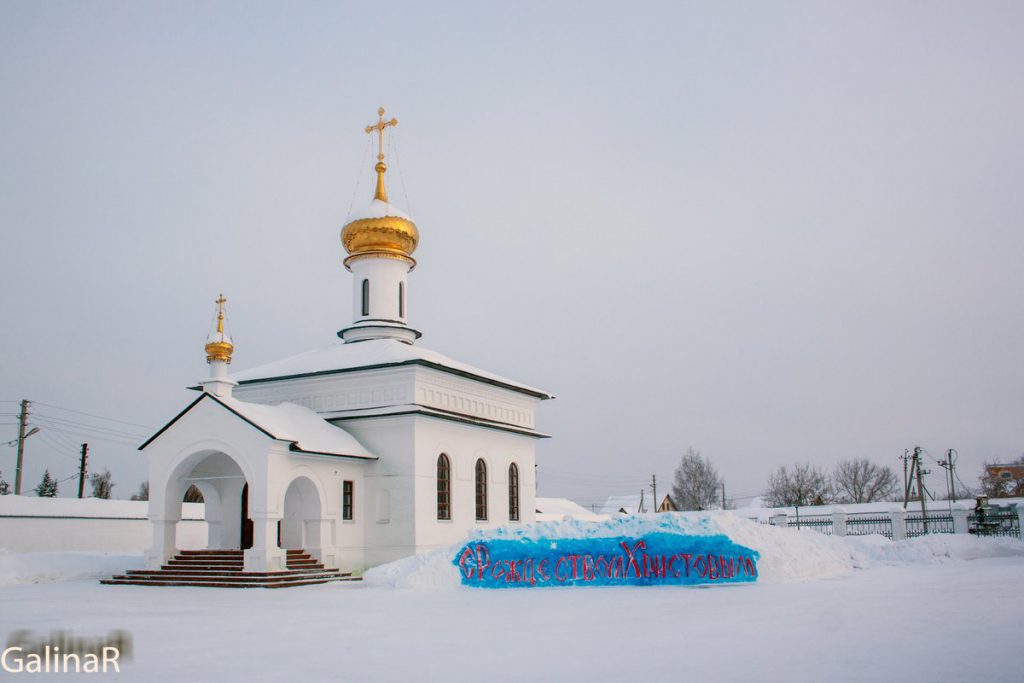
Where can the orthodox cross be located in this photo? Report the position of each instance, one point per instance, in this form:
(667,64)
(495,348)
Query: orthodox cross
(220,312)
(379,127)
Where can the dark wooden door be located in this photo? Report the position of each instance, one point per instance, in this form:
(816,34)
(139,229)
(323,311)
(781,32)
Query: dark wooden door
(246,539)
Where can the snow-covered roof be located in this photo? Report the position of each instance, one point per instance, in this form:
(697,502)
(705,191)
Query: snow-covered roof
(374,353)
(559,509)
(305,430)
(631,505)
(377,209)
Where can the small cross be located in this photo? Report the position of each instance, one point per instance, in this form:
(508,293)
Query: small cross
(220,312)
(379,127)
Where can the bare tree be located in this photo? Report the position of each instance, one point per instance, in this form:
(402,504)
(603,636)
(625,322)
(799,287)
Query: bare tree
(802,485)
(101,483)
(862,481)
(696,484)
(5,488)
(143,493)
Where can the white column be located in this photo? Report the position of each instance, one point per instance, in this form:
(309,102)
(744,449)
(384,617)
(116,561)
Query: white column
(218,383)
(264,555)
(838,522)
(164,546)
(899,525)
(213,512)
(315,534)
(231,513)
(960,525)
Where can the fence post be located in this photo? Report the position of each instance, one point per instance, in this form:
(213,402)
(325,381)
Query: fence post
(960,518)
(838,522)
(899,525)
(779,519)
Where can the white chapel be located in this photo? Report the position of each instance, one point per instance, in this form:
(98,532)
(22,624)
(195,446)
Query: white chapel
(360,452)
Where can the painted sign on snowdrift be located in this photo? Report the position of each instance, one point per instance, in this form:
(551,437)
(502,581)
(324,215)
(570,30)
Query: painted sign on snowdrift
(651,560)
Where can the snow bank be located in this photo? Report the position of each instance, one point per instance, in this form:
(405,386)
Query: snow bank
(22,568)
(784,555)
(934,548)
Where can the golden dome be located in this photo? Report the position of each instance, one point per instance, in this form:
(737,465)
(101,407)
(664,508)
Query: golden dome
(380,230)
(219,350)
(218,344)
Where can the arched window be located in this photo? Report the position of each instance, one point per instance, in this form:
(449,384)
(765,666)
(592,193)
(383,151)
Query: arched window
(513,492)
(366,297)
(401,299)
(481,490)
(444,487)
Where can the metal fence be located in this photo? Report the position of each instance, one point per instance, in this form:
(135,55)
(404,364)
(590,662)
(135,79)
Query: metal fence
(899,524)
(932,523)
(822,523)
(869,523)
(997,522)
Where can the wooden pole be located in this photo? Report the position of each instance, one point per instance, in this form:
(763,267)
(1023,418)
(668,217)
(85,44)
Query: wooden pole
(22,419)
(81,469)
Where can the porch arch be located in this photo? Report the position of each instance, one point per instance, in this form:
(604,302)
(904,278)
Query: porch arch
(305,524)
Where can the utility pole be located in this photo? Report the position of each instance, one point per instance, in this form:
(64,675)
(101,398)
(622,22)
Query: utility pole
(654,490)
(641,501)
(723,495)
(906,484)
(920,487)
(81,469)
(948,465)
(951,454)
(22,419)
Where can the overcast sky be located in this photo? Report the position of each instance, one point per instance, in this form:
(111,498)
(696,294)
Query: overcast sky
(775,232)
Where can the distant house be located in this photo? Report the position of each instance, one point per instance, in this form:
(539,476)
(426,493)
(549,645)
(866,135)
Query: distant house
(625,505)
(667,505)
(1004,479)
(561,509)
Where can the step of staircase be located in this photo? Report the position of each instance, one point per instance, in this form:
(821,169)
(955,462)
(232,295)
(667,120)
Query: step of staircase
(225,569)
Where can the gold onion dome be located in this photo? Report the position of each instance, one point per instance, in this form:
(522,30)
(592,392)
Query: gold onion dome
(380,230)
(218,344)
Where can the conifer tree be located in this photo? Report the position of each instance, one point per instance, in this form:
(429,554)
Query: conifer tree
(47,487)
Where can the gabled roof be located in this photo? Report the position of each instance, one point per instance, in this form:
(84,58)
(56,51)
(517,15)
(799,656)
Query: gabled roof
(340,357)
(306,431)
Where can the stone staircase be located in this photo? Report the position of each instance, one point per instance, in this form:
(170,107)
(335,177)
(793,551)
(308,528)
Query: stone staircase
(224,569)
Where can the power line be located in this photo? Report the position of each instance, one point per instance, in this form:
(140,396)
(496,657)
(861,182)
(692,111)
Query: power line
(101,417)
(94,435)
(54,425)
(76,423)
(54,445)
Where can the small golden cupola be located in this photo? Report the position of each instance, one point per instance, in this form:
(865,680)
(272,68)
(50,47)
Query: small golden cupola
(218,343)
(380,230)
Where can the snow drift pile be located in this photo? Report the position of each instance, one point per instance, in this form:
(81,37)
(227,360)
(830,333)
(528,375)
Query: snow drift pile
(22,568)
(785,554)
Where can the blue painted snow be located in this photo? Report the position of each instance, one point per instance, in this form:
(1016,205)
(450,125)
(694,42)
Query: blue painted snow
(653,559)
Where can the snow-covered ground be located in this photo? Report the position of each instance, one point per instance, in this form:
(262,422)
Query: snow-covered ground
(942,607)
